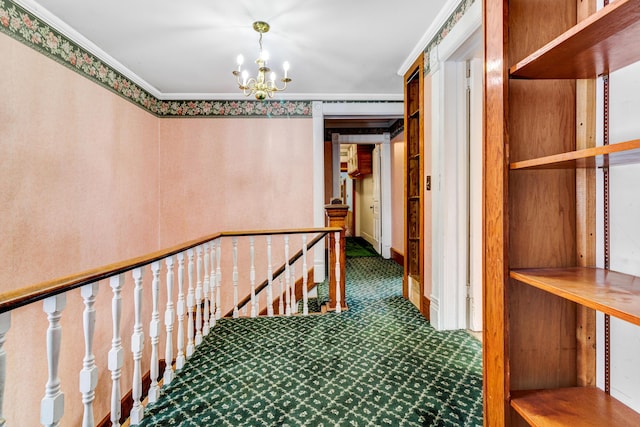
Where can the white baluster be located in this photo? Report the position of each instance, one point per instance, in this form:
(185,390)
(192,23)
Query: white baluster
(199,296)
(191,303)
(181,310)
(252,277)
(5,324)
(212,287)
(294,303)
(305,277)
(154,332)
(52,404)
(218,279)
(89,372)
(205,291)
(168,323)
(137,344)
(287,277)
(281,298)
(235,277)
(338,296)
(116,354)
(270,279)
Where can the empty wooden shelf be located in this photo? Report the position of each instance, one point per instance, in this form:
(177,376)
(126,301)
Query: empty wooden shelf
(602,43)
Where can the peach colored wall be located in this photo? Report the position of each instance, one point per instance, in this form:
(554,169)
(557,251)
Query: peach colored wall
(234,174)
(427,194)
(79,189)
(397,193)
(89,178)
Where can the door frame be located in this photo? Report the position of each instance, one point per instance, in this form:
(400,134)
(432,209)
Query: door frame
(450,170)
(319,110)
(383,140)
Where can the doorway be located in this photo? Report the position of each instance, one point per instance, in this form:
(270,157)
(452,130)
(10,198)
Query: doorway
(362,193)
(456,134)
(348,111)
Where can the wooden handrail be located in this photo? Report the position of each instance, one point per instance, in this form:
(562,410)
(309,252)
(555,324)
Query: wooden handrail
(246,300)
(14,299)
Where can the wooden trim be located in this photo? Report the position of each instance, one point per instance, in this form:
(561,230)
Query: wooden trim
(397,257)
(426,307)
(29,294)
(126,402)
(495,359)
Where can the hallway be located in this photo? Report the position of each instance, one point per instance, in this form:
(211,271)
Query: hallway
(379,363)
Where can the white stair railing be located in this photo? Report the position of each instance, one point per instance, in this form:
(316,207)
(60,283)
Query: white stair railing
(116,354)
(197,306)
(205,291)
(154,332)
(52,404)
(137,344)
(89,372)
(180,356)
(167,377)
(191,304)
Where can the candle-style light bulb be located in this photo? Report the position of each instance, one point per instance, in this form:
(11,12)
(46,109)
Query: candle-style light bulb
(285,66)
(240,61)
(273,77)
(245,76)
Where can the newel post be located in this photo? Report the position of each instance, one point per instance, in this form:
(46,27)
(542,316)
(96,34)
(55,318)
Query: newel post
(337,214)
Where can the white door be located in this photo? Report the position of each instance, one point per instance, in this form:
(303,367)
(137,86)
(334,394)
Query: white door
(375,199)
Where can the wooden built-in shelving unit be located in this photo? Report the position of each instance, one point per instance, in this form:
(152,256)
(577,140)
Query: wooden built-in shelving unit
(604,155)
(572,406)
(596,45)
(610,292)
(413,195)
(538,288)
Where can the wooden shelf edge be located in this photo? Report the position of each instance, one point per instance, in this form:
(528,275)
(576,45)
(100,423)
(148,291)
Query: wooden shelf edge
(572,406)
(592,47)
(611,292)
(605,155)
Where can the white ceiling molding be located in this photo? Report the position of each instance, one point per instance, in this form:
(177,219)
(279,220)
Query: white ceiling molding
(431,32)
(354,97)
(73,35)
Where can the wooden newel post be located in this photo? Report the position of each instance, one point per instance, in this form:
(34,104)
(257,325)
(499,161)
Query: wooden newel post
(337,214)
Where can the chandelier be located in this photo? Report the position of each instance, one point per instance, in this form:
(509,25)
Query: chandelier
(260,86)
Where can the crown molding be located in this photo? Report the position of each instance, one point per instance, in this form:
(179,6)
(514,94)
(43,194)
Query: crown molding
(81,41)
(350,97)
(34,26)
(436,26)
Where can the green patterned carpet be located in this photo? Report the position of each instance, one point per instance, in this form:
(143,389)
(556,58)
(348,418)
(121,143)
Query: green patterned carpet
(378,364)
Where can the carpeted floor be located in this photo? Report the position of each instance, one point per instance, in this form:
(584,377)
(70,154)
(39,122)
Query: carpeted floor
(378,364)
(358,247)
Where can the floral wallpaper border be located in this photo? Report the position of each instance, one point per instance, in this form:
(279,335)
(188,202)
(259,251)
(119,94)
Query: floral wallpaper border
(28,29)
(445,29)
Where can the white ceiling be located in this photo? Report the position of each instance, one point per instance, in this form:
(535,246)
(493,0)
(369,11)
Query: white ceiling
(338,49)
